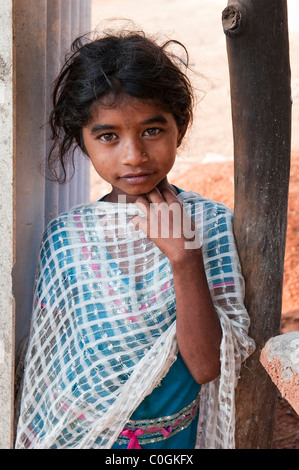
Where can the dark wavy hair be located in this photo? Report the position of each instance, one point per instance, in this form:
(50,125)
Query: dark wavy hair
(124,63)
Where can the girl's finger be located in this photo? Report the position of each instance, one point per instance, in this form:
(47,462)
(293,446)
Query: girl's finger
(170,196)
(143,204)
(155,196)
(140,223)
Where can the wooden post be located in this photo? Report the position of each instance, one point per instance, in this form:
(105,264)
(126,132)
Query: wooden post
(258,56)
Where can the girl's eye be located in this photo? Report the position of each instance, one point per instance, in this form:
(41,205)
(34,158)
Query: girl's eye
(152,131)
(109,137)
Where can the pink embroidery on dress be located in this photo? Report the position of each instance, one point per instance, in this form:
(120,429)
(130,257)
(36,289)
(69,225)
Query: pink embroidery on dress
(133,436)
(165,431)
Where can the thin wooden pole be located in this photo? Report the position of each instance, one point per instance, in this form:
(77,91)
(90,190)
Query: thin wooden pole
(258,56)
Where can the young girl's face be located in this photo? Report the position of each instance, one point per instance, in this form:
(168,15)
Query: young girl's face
(132,145)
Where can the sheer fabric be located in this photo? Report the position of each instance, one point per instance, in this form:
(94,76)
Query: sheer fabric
(103,331)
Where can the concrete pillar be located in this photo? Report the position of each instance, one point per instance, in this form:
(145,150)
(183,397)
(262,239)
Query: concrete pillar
(6,223)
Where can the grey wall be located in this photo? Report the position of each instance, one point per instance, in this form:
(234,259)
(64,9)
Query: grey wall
(44,32)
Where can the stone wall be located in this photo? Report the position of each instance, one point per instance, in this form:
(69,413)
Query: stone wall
(280,358)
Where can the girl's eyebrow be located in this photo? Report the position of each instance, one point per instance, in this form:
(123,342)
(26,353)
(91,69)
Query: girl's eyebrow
(101,127)
(157,119)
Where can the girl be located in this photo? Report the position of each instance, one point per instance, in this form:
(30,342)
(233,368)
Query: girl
(139,327)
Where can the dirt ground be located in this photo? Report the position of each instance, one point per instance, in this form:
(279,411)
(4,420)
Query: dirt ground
(204,163)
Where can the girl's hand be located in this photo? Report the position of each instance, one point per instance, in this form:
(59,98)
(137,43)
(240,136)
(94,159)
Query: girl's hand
(198,328)
(167,224)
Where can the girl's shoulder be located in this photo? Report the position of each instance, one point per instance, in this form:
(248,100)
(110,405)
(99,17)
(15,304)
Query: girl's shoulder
(208,206)
(69,221)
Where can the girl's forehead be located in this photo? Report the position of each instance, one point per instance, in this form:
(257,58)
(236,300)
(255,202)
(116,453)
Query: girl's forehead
(128,106)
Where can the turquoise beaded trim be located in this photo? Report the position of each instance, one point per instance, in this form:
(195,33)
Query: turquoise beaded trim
(158,429)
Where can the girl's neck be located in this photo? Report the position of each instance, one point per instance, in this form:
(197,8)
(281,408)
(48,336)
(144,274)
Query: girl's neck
(114,195)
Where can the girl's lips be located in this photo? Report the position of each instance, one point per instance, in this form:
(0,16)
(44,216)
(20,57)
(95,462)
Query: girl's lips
(136,178)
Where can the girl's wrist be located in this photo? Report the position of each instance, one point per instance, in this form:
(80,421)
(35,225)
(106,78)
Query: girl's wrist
(187,257)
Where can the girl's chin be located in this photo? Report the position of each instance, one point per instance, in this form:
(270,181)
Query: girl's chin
(123,197)
(131,192)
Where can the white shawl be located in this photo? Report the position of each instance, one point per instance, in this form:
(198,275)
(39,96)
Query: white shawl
(103,330)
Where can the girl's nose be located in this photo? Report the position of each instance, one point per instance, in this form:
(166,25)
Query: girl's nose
(134,154)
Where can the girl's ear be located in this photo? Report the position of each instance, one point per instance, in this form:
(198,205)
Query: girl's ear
(183,130)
